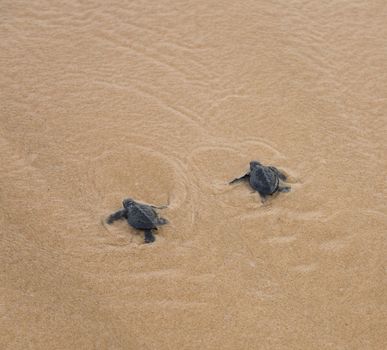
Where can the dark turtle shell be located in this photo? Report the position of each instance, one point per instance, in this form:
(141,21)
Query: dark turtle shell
(142,216)
(264,180)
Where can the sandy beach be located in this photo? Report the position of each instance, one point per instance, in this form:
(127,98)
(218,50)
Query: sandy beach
(166,102)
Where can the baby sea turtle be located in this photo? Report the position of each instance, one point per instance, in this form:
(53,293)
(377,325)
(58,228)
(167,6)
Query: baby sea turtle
(266,180)
(139,216)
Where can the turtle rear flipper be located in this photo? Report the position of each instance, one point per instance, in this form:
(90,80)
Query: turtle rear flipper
(283,188)
(263,197)
(149,236)
(279,173)
(162,221)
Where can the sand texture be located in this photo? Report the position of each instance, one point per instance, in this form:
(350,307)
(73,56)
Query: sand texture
(166,102)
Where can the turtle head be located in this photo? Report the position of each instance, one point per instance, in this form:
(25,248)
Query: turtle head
(254,164)
(127,202)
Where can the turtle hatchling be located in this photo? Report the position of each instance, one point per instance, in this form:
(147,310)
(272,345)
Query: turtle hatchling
(140,216)
(266,180)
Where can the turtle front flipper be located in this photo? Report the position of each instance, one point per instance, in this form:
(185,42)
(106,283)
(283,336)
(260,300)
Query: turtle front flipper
(160,207)
(244,177)
(149,236)
(279,173)
(118,215)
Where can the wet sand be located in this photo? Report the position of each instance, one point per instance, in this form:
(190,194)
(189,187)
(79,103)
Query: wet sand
(168,101)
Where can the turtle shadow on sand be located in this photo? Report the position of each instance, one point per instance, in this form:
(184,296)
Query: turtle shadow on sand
(140,216)
(266,180)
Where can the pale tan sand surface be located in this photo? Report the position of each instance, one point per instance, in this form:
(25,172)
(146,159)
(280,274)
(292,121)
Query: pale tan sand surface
(168,101)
